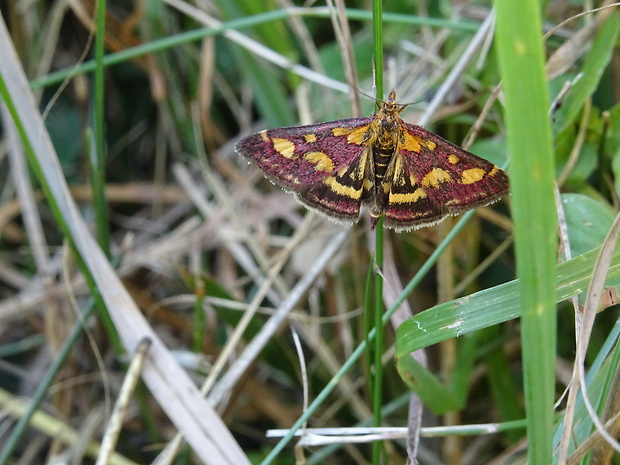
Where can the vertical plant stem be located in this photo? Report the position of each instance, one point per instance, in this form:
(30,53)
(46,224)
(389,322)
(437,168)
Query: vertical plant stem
(369,318)
(377,22)
(377,384)
(97,149)
(522,65)
(377,390)
(96,163)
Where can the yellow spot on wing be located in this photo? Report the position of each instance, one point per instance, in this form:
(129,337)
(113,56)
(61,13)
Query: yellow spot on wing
(435,176)
(284,147)
(399,179)
(453,159)
(494,171)
(341,189)
(399,173)
(263,135)
(358,173)
(358,136)
(341,131)
(410,197)
(355,135)
(310,138)
(321,161)
(472,175)
(412,143)
(430,144)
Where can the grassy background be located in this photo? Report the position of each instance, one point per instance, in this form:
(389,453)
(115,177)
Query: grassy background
(214,256)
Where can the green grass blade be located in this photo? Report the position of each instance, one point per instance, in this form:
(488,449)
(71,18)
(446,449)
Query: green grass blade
(478,311)
(522,64)
(96,159)
(493,306)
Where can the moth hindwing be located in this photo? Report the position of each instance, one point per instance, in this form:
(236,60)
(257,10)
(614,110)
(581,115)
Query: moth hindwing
(404,172)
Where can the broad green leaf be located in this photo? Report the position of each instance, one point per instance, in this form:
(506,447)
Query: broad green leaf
(588,222)
(491,306)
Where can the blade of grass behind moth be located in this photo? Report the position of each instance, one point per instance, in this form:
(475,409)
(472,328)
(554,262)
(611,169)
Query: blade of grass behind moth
(96,176)
(377,376)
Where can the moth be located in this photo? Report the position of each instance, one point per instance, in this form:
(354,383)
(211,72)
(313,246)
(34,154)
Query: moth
(412,177)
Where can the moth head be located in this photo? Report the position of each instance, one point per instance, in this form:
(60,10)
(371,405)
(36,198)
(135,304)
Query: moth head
(389,105)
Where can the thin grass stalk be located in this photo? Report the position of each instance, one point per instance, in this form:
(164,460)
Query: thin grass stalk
(377,378)
(99,204)
(368,321)
(522,66)
(96,161)
(377,384)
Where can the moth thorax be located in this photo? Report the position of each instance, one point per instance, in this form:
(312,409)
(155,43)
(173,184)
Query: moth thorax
(385,134)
